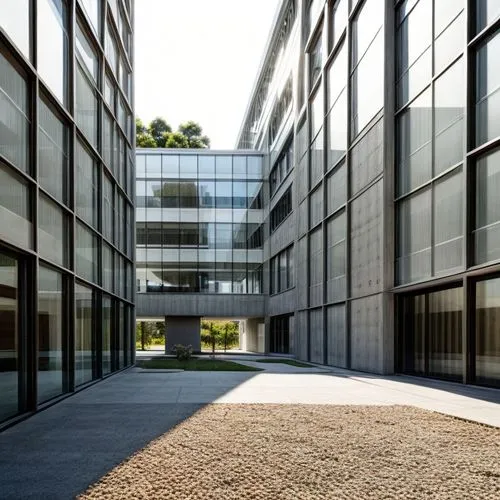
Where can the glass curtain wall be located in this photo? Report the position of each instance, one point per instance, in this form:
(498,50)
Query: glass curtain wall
(82,245)
(199,223)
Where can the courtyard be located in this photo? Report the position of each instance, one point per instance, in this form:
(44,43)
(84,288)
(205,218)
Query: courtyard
(284,432)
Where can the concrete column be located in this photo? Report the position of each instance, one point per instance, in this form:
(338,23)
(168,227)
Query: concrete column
(183,330)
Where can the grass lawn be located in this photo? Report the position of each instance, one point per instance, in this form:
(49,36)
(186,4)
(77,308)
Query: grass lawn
(290,362)
(196,364)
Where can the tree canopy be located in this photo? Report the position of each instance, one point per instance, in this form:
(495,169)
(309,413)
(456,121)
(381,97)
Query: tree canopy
(159,134)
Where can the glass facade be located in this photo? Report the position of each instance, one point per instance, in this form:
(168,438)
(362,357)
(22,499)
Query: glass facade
(66,207)
(199,222)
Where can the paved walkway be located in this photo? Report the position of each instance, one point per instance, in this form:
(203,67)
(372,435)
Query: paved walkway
(57,453)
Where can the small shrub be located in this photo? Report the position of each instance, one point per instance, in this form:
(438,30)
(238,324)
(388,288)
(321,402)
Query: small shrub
(183,352)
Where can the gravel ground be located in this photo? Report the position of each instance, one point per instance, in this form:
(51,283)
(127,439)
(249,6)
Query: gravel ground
(311,452)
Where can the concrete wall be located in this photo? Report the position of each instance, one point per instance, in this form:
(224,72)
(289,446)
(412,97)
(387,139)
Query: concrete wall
(182,330)
(253,335)
(192,304)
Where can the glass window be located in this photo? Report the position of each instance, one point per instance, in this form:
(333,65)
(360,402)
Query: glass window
(254,190)
(93,10)
(223,167)
(14,123)
(239,167)
(446,11)
(170,166)
(366,26)
(86,253)
(86,186)
(86,107)
(53,153)
(488,332)
(448,224)
(53,42)
(337,76)
(486,12)
(224,195)
(107,314)
(239,194)
(224,236)
(317,112)
(449,102)
(336,258)
(206,166)
(337,130)
(339,20)
(188,233)
(15,20)
(50,334)
(107,268)
(413,260)
(316,157)
(254,167)
(206,194)
(336,186)
(315,60)
(188,192)
(451,42)
(488,91)
(109,93)
(9,339)
(188,165)
(107,208)
(414,38)
(445,333)
(316,210)
(111,50)
(51,231)
(83,334)
(15,217)
(86,53)
(414,132)
(487,233)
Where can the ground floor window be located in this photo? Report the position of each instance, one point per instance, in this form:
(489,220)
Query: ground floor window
(280,334)
(430,333)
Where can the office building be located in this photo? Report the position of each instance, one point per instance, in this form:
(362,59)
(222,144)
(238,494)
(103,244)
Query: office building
(66,198)
(379,126)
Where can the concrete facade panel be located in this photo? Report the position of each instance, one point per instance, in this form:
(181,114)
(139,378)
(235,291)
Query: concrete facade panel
(316,333)
(367,242)
(182,330)
(336,336)
(367,334)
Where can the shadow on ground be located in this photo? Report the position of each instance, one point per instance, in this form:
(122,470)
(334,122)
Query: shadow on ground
(58,453)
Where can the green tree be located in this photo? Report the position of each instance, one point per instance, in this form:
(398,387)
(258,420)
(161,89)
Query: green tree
(193,132)
(157,128)
(159,134)
(230,334)
(175,140)
(220,334)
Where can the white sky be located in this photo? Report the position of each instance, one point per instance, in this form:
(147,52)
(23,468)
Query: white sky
(198,60)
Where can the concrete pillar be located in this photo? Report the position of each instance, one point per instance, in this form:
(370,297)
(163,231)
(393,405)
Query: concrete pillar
(183,330)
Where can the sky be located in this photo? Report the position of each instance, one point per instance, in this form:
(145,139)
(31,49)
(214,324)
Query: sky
(198,60)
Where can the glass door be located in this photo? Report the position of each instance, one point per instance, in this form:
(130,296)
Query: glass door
(9,338)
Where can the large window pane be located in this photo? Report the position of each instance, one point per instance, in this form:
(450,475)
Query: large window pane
(9,341)
(83,334)
(414,136)
(15,217)
(449,101)
(86,54)
(14,124)
(488,91)
(15,20)
(106,334)
(337,130)
(315,60)
(107,208)
(53,153)
(448,224)
(488,331)
(93,10)
(367,91)
(445,333)
(86,186)
(336,258)
(86,107)
(50,334)
(86,253)
(414,232)
(51,231)
(317,112)
(486,12)
(52,57)
(339,20)
(487,233)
